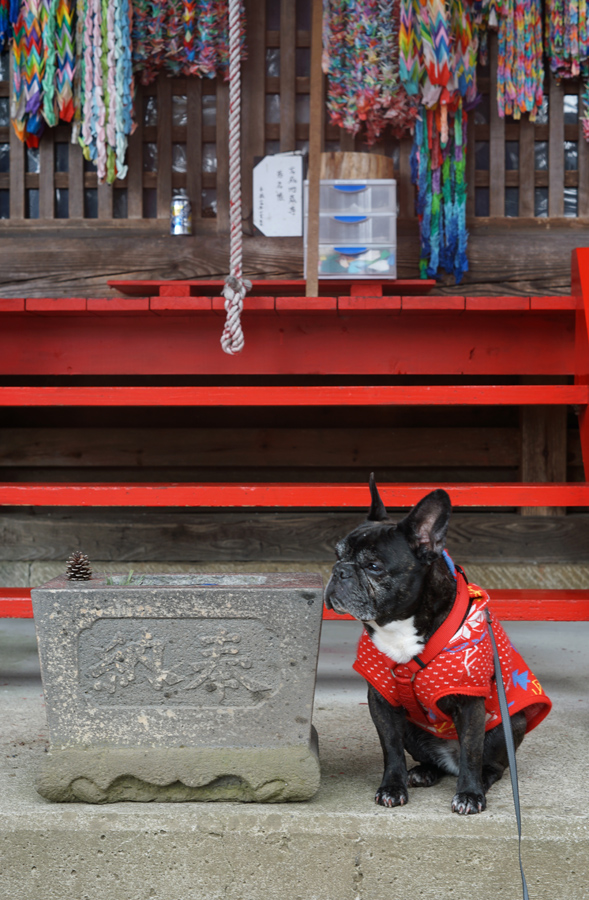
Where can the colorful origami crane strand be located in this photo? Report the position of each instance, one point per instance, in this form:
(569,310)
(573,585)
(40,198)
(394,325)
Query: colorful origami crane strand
(181,37)
(438,50)
(567,45)
(104,92)
(361,59)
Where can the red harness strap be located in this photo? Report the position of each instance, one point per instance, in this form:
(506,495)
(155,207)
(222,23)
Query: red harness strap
(404,674)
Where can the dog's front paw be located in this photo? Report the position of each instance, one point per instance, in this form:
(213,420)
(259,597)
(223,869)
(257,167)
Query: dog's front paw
(391,796)
(468,803)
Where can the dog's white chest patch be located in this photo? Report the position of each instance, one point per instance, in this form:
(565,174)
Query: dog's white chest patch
(398,640)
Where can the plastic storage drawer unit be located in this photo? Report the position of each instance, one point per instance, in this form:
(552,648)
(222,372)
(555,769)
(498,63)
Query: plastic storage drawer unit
(357,229)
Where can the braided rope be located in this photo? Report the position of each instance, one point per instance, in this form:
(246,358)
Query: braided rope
(235,286)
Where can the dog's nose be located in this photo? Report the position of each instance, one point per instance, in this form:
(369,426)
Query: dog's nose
(345,570)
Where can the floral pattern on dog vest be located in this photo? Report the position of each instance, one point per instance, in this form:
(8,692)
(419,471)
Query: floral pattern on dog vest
(464,666)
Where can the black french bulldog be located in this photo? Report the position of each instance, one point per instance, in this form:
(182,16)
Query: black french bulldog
(394,579)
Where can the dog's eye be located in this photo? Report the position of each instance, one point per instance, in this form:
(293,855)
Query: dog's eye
(374,567)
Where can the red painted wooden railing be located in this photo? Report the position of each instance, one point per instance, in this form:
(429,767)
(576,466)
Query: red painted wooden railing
(510,605)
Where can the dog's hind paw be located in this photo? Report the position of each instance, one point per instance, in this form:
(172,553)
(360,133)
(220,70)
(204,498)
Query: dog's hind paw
(424,776)
(468,804)
(390,798)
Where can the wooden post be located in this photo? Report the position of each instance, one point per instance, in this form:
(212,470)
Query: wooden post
(315,119)
(543,448)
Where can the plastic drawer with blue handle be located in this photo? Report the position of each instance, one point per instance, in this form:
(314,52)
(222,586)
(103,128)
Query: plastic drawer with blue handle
(357,229)
(371,261)
(353,197)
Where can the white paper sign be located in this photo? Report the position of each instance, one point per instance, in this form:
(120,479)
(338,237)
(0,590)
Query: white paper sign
(278,195)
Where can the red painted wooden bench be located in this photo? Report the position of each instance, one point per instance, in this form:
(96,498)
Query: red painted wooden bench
(372,330)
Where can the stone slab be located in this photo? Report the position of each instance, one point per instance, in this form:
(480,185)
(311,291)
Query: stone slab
(212,674)
(180,774)
(336,846)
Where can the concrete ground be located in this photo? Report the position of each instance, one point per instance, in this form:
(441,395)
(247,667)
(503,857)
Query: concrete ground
(338,846)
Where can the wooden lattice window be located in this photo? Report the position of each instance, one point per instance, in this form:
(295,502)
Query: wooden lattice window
(181,141)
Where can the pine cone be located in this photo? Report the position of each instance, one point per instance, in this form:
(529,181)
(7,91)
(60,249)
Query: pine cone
(78,567)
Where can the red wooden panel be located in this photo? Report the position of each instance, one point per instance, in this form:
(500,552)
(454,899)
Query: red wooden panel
(552,605)
(55,305)
(366,289)
(168,305)
(555,303)
(330,395)
(368,305)
(476,344)
(256,305)
(497,303)
(526,605)
(433,303)
(175,289)
(315,496)
(307,305)
(105,306)
(15,603)
(11,304)
(523,605)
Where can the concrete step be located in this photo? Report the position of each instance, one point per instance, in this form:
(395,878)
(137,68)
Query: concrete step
(338,846)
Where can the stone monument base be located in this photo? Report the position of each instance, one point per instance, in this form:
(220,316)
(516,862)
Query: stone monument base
(255,775)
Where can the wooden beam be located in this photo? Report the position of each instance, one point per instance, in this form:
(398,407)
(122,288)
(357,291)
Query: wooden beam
(496,141)
(287,74)
(164,147)
(315,125)
(179,535)
(311,395)
(268,495)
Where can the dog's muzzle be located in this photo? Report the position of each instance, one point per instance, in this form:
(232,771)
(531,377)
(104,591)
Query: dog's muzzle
(339,593)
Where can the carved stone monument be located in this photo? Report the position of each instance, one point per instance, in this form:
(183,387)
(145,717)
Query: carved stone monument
(180,687)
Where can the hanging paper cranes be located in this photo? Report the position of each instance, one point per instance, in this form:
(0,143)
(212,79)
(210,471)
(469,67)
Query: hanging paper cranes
(181,37)
(74,59)
(438,44)
(567,45)
(361,58)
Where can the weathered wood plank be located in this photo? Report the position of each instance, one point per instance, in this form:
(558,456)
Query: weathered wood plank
(287,74)
(582,161)
(223,157)
(556,148)
(135,162)
(316,122)
(405,194)
(105,201)
(253,100)
(17,169)
(527,167)
(273,447)
(538,255)
(470,165)
(76,182)
(543,450)
(164,147)
(179,536)
(46,176)
(194,145)
(496,141)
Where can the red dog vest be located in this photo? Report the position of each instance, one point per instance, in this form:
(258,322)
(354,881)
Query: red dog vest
(463,664)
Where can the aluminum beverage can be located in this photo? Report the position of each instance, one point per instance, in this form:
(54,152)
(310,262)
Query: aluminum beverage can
(180,215)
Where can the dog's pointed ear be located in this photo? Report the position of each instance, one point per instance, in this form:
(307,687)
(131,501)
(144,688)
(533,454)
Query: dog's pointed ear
(427,524)
(377,511)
